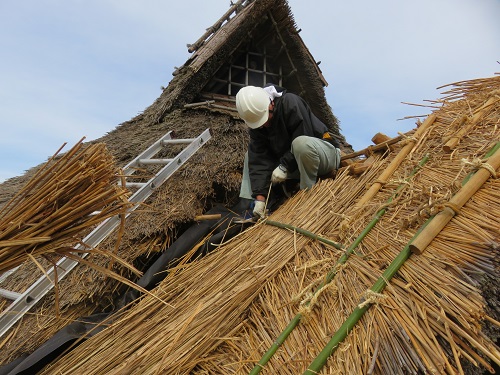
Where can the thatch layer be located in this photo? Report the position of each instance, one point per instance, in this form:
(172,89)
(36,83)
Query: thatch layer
(69,195)
(232,305)
(214,172)
(215,168)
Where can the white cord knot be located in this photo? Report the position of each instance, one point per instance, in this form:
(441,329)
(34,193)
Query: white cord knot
(477,163)
(406,139)
(370,297)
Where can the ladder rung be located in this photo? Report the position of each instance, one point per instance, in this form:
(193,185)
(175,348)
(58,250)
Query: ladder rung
(147,154)
(177,141)
(9,294)
(154,161)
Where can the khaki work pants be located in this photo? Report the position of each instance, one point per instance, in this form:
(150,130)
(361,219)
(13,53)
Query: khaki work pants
(314,157)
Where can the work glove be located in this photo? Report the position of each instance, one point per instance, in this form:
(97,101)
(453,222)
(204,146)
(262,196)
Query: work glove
(259,210)
(279,174)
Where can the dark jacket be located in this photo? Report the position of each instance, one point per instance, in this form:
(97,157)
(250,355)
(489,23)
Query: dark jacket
(271,146)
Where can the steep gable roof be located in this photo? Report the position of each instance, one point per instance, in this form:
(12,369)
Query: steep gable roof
(265,29)
(213,173)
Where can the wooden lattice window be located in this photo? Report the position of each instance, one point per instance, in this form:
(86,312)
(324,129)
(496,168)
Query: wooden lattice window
(246,68)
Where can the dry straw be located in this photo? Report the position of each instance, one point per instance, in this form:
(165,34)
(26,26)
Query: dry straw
(69,195)
(230,306)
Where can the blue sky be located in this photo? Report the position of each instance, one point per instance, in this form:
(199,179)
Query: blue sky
(78,68)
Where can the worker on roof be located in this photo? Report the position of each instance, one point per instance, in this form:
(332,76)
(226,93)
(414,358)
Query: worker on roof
(286,141)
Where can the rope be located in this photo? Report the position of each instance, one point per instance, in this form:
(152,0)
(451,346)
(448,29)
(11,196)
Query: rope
(406,139)
(304,292)
(307,304)
(370,184)
(313,263)
(370,297)
(345,223)
(453,206)
(369,151)
(305,309)
(478,163)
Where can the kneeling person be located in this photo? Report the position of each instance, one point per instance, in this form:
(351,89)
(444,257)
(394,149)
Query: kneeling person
(286,141)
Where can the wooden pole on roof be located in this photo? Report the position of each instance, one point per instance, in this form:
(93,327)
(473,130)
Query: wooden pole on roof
(360,167)
(453,141)
(304,232)
(396,162)
(370,149)
(216,26)
(456,203)
(283,44)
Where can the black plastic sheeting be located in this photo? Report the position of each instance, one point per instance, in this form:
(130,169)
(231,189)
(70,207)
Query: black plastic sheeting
(77,332)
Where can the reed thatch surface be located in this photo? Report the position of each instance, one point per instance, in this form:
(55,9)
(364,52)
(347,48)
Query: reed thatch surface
(215,168)
(68,195)
(213,173)
(229,307)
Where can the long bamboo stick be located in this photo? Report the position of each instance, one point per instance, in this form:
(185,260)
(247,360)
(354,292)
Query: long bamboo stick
(304,232)
(329,277)
(216,26)
(396,162)
(377,147)
(458,200)
(456,203)
(339,336)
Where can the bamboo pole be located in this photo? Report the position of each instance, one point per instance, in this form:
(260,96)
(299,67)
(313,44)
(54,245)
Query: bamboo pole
(199,104)
(456,203)
(330,275)
(460,125)
(370,149)
(216,26)
(453,141)
(339,336)
(304,232)
(396,162)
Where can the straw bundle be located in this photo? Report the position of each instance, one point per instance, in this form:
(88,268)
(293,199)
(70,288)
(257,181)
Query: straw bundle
(226,284)
(230,307)
(55,208)
(214,169)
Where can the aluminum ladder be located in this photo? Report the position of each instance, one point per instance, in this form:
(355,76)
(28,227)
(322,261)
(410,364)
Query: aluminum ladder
(22,302)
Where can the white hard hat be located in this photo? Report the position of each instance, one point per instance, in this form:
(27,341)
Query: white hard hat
(252,104)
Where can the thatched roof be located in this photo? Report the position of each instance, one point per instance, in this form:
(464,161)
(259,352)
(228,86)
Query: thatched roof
(267,24)
(435,311)
(212,175)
